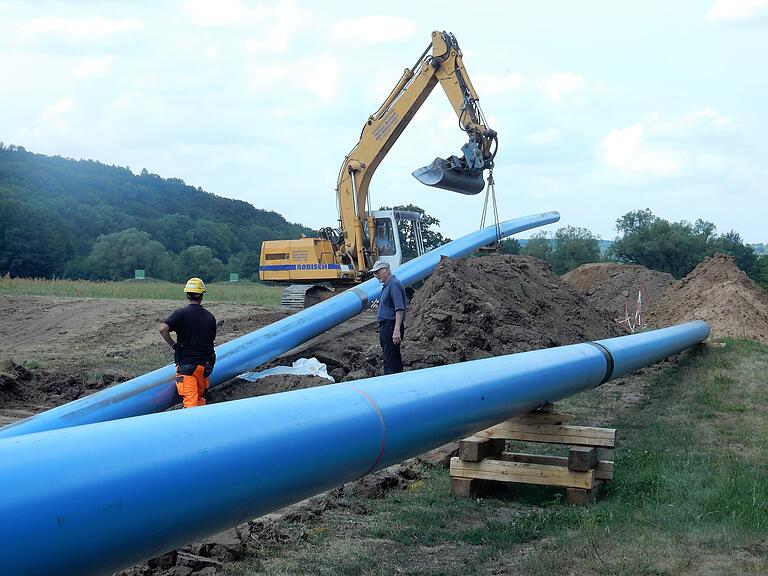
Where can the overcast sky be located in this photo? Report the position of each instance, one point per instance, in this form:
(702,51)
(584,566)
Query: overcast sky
(602,107)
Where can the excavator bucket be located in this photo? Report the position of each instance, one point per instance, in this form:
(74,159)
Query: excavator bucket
(452,175)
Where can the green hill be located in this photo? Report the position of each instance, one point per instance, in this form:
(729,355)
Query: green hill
(63,217)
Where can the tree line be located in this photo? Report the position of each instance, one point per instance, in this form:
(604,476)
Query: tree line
(646,239)
(84,219)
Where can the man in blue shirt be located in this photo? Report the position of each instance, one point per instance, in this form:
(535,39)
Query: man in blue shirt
(391,316)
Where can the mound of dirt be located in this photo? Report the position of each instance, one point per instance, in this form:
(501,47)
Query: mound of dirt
(614,286)
(494,305)
(720,293)
(25,391)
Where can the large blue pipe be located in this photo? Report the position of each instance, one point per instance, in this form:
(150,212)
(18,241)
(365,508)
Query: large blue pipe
(156,391)
(104,496)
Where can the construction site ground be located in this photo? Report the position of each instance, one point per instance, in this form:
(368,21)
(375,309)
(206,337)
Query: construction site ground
(688,427)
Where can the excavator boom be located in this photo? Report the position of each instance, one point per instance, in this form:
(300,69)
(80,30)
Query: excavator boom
(344,256)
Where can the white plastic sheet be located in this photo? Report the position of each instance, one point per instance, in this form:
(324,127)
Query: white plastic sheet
(302,367)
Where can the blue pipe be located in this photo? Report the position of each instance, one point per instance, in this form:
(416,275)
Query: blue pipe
(156,391)
(104,496)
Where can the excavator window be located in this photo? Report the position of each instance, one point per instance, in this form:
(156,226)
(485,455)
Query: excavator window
(385,238)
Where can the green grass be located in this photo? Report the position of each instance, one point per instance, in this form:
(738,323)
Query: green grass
(690,496)
(241,292)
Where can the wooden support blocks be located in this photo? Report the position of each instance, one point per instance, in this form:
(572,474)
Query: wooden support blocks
(482,460)
(469,486)
(582,458)
(474,448)
(581,497)
(504,471)
(552,434)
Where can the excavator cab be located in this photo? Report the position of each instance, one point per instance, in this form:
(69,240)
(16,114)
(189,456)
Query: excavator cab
(387,239)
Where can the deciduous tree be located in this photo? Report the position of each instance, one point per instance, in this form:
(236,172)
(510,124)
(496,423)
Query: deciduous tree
(573,247)
(116,256)
(539,246)
(199,261)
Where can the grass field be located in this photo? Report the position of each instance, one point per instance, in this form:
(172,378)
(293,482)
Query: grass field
(242,292)
(690,495)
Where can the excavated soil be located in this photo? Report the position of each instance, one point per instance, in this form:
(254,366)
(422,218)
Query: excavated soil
(483,307)
(615,287)
(720,293)
(471,309)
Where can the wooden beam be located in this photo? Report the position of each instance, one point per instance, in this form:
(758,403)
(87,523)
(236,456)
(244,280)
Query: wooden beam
(552,434)
(475,448)
(603,470)
(469,486)
(582,497)
(503,471)
(538,417)
(582,458)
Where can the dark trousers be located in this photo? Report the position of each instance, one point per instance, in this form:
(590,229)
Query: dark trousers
(393,362)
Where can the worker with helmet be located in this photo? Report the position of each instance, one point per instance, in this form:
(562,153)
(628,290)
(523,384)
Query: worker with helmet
(195,329)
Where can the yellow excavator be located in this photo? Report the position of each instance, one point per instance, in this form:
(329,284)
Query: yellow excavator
(339,258)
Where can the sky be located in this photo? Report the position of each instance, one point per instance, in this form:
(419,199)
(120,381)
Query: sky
(601,107)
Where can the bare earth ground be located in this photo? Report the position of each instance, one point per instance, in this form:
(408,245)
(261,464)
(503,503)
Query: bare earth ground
(53,350)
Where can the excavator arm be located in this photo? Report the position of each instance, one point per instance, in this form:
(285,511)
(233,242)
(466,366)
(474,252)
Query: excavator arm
(440,63)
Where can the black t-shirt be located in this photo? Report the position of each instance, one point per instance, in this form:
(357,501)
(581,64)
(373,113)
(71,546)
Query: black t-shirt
(195,329)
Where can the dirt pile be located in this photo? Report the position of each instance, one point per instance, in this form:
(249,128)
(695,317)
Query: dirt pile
(720,293)
(494,305)
(25,391)
(614,286)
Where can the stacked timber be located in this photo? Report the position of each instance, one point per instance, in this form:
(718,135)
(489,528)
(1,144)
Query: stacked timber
(483,458)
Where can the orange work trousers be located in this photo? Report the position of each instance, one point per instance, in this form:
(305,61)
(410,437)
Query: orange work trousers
(192,387)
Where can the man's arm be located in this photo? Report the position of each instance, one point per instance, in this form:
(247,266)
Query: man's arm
(398,326)
(165,332)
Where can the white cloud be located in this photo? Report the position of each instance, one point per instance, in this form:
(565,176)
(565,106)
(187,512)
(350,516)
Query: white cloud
(274,25)
(491,84)
(664,146)
(318,76)
(558,87)
(627,150)
(223,13)
(734,10)
(211,52)
(55,118)
(282,24)
(374,29)
(696,121)
(94,67)
(322,78)
(78,30)
(542,137)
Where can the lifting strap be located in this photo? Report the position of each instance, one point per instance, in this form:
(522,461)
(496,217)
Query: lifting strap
(490,190)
